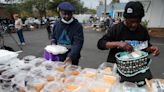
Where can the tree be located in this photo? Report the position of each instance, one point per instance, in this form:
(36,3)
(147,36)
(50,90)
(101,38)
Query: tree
(39,7)
(11,9)
(78,5)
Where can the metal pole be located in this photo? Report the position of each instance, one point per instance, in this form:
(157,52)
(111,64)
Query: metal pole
(105,8)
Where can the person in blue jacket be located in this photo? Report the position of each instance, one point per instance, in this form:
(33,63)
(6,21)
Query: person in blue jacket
(68,32)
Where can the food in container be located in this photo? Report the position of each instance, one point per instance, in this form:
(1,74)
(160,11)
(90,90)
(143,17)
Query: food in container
(51,75)
(98,86)
(109,79)
(71,85)
(89,73)
(50,78)
(60,67)
(53,87)
(106,68)
(73,70)
(35,84)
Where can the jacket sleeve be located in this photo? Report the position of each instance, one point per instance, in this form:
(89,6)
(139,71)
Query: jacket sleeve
(110,36)
(78,40)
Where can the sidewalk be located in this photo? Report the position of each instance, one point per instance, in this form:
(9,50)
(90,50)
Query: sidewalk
(156,33)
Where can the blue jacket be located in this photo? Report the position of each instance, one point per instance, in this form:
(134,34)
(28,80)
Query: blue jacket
(71,34)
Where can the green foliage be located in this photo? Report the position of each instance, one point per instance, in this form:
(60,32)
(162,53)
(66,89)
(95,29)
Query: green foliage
(145,23)
(11,9)
(40,8)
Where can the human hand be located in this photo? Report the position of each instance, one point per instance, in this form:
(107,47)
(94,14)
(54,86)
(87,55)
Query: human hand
(126,46)
(154,50)
(68,61)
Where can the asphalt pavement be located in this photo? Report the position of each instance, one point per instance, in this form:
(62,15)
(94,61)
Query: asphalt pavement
(91,56)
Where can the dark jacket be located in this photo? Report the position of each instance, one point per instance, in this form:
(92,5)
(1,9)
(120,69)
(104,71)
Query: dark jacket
(120,32)
(75,34)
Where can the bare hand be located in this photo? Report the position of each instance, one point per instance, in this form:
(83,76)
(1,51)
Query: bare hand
(68,61)
(126,46)
(154,50)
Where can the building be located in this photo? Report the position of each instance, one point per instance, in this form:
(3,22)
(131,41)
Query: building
(154,11)
(114,10)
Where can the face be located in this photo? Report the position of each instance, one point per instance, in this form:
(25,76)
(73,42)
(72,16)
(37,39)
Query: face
(15,16)
(66,15)
(132,23)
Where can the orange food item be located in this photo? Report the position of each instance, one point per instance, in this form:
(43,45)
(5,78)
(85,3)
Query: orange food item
(50,78)
(98,89)
(109,79)
(38,86)
(71,87)
(90,74)
(22,90)
(60,69)
(107,70)
(57,90)
(75,72)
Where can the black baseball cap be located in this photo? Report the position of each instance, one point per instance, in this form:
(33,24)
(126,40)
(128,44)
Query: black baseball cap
(134,9)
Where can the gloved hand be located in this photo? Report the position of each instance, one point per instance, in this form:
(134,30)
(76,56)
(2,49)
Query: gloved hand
(154,50)
(125,46)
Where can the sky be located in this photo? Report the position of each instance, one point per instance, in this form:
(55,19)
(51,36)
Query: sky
(93,3)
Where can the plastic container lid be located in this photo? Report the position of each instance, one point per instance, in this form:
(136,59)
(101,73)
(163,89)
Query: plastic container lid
(106,68)
(89,72)
(73,70)
(53,87)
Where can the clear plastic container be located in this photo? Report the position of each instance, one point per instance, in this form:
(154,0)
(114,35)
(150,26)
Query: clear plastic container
(98,86)
(106,68)
(51,76)
(35,84)
(4,68)
(49,65)
(71,84)
(157,85)
(38,61)
(79,81)
(131,87)
(26,67)
(73,70)
(19,82)
(29,58)
(109,79)
(54,87)
(60,67)
(38,71)
(6,78)
(89,73)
